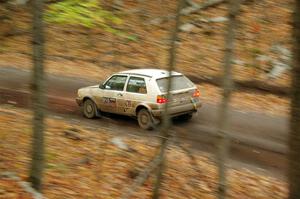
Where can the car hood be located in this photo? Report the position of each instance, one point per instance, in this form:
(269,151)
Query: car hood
(95,86)
(86,90)
(89,87)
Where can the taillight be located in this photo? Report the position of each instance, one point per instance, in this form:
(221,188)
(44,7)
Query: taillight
(196,93)
(161,99)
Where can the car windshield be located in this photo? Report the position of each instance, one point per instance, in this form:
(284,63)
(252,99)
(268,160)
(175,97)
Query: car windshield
(178,83)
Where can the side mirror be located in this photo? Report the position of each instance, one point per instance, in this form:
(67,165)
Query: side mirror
(101,86)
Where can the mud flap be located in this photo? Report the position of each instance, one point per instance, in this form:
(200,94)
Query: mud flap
(194,103)
(155,121)
(98,113)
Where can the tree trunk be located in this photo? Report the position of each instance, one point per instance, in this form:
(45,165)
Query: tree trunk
(223,143)
(166,119)
(38,97)
(294,137)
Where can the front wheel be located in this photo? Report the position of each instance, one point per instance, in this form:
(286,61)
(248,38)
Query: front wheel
(89,109)
(145,120)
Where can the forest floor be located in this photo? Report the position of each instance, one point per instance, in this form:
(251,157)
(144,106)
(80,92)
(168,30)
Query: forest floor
(87,162)
(248,101)
(263,27)
(94,54)
(83,162)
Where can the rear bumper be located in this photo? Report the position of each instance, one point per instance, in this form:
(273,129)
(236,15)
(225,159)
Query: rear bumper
(79,101)
(179,110)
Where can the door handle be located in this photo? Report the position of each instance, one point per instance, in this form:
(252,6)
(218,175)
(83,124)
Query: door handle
(120,94)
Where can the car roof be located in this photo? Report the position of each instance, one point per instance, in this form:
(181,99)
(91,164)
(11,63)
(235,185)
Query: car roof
(156,73)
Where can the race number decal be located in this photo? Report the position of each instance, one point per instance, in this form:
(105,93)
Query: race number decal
(109,101)
(128,103)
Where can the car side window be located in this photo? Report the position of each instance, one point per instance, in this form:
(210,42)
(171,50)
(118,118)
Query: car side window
(116,82)
(136,85)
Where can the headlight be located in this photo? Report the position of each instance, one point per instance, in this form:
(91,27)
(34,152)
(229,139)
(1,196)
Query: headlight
(79,93)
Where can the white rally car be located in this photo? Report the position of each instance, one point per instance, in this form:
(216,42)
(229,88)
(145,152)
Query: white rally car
(141,93)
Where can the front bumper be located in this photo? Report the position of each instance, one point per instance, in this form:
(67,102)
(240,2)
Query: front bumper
(79,101)
(178,110)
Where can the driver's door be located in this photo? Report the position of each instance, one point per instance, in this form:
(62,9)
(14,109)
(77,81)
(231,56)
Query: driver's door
(112,92)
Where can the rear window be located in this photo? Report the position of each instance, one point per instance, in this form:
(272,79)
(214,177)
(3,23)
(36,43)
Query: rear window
(178,83)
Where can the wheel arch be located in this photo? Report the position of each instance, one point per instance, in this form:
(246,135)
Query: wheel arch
(90,98)
(142,106)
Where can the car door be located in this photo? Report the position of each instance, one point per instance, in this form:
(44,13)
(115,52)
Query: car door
(111,93)
(135,93)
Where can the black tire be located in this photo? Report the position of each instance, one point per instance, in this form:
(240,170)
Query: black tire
(186,117)
(89,109)
(145,119)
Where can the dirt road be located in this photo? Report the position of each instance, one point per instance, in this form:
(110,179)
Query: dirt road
(259,140)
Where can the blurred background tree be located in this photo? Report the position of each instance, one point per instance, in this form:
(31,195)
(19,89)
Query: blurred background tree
(223,120)
(88,14)
(294,136)
(38,86)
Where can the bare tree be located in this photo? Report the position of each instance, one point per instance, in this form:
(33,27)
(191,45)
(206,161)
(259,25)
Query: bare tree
(38,97)
(166,119)
(223,144)
(294,136)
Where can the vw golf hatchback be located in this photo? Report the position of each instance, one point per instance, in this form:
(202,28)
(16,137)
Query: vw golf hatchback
(141,93)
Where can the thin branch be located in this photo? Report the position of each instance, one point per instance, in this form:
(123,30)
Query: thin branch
(142,177)
(25,185)
(193,160)
(191,3)
(197,7)
(188,152)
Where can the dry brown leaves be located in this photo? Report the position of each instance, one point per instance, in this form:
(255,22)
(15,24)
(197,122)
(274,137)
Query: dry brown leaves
(199,53)
(93,167)
(261,25)
(10,189)
(248,101)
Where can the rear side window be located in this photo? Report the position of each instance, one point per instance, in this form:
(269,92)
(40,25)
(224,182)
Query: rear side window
(178,83)
(136,85)
(116,82)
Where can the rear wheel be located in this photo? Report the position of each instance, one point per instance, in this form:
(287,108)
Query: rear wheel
(145,120)
(89,109)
